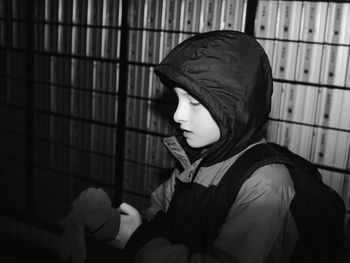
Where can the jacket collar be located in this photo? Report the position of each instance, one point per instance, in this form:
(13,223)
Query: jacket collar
(177,151)
(175,148)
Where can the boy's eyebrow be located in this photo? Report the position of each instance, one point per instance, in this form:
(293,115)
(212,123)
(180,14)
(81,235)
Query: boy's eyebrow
(193,98)
(189,96)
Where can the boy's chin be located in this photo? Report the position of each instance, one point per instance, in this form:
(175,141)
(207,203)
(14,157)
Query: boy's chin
(197,145)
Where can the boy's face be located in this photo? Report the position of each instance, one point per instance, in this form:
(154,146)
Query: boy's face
(196,122)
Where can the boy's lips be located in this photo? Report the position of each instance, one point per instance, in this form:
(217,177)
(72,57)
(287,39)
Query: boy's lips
(185,132)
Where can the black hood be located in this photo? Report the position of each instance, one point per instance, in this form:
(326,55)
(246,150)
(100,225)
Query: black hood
(230,74)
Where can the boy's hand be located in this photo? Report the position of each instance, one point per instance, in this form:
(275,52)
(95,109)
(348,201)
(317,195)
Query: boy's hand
(130,220)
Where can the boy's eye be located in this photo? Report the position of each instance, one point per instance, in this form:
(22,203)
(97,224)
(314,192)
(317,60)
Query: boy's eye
(194,103)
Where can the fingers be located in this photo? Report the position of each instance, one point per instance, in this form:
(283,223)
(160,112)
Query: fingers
(128,209)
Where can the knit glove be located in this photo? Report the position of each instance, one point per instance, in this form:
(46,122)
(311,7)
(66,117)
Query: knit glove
(91,214)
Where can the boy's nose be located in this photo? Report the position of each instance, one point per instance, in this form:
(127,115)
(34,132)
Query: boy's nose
(179,114)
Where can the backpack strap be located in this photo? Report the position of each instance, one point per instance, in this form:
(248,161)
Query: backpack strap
(246,164)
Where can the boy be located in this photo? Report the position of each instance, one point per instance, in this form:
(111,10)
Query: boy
(223,83)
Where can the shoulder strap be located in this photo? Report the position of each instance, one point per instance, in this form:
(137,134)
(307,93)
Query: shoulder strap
(251,160)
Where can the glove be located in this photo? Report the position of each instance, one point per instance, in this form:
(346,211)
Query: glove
(91,214)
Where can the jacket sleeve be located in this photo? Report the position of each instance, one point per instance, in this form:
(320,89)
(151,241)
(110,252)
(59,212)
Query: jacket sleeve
(161,197)
(251,228)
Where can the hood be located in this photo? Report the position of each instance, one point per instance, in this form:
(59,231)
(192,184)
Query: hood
(230,74)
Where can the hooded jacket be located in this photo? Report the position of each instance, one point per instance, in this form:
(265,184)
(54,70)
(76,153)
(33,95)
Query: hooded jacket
(229,73)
